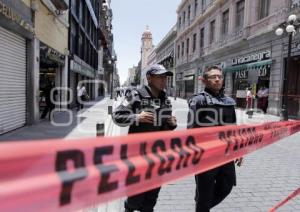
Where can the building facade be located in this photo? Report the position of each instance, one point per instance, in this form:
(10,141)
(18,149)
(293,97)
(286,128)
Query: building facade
(17,38)
(83,45)
(51,29)
(131,75)
(165,51)
(109,56)
(239,36)
(34,35)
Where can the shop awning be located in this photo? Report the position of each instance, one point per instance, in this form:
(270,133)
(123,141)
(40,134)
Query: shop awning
(170,54)
(248,66)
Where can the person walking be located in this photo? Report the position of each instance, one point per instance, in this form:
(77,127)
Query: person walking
(146,110)
(81,96)
(207,109)
(249,99)
(263,95)
(49,103)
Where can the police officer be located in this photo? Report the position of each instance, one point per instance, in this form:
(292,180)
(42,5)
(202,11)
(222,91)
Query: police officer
(212,108)
(147,109)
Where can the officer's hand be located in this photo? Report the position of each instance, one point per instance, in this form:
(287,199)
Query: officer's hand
(146,117)
(172,121)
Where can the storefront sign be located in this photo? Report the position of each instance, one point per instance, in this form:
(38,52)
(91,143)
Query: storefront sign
(56,56)
(242,74)
(264,71)
(78,68)
(252,58)
(51,54)
(12,15)
(189,72)
(179,76)
(191,77)
(294,48)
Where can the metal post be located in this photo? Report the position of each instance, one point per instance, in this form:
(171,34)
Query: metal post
(109,110)
(284,110)
(100,129)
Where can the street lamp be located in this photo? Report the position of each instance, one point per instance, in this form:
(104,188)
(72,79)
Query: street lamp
(292,24)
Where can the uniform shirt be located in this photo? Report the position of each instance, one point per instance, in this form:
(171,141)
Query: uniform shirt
(142,100)
(208,109)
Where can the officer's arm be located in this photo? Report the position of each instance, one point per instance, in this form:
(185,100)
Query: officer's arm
(126,113)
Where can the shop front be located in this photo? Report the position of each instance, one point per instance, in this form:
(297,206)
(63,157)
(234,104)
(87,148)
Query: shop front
(16,29)
(51,74)
(249,72)
(81,72)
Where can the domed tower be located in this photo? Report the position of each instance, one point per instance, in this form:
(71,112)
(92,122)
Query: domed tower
(147,47)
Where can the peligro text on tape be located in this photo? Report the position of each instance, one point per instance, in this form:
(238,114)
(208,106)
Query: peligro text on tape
(182,159)
(179,155)
(71,175)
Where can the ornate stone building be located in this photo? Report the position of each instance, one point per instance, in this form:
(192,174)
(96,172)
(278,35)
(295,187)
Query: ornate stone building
(239,36)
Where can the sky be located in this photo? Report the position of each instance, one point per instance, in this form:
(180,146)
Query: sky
(130,18)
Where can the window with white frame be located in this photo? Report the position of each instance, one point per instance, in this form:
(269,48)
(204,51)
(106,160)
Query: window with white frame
(264,7)
(225,23)
(240,12)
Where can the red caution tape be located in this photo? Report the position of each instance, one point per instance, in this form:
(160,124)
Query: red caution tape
(58,175)
(291,196)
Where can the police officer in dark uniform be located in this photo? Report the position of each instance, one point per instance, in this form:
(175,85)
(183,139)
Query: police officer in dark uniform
(146,109)
(212,108)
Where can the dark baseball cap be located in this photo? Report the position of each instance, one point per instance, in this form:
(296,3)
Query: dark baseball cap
(157,70)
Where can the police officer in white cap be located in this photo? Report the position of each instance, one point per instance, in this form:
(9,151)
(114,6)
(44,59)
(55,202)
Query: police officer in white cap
(147,110)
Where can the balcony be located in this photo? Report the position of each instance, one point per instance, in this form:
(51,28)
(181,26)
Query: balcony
(227,40)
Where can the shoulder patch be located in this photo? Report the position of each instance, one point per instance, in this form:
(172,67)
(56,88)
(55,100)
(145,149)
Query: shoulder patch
(230,101)
(197,99)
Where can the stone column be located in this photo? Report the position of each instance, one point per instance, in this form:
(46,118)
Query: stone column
(33,81)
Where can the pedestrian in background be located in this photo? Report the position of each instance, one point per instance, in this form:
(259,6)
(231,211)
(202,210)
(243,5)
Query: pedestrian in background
(249,98)
(49,103)
(82,96)
(147,110)
(263,95)
(207,109)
